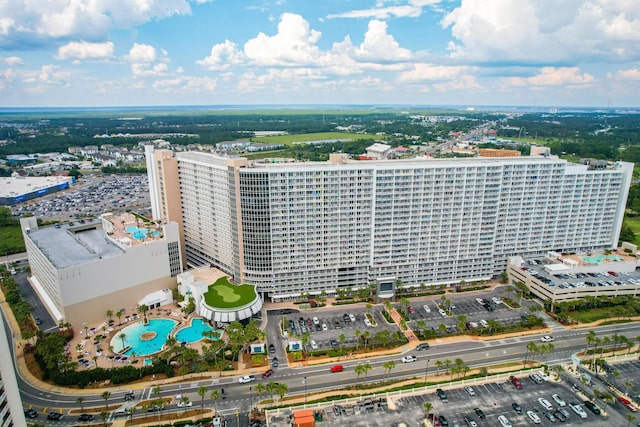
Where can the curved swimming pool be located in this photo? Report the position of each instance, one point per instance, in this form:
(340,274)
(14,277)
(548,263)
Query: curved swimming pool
(143,339)
(193,332)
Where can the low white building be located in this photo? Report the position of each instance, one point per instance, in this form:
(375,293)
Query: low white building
(84,268)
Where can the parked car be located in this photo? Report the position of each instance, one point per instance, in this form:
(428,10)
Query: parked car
(246,379)
(575,407)
(267,373)
(504,421)
(352,318)
(548,415)
(31,413)
(423,346)
(534,417)
(86,417)
(560,416)
(470,391)
(516,382)
(409,359)
(559,400)
(479,413)
(592,407)
(545,403)
(55,416)
(313,344)
(627,404)
(516,407)
(470,421)
(442,395)
(443,421)
(337,368)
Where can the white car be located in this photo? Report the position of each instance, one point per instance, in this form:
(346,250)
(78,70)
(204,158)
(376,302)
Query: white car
(480,301)
(246,379)
(545,404)
(426,308)
(504,421)
(367,322)
(546,338)
(325,327)
(352,317)
(544,376)
(409,359)
(182,404)
(442,312)
(560,401)
(578,410)
(470,391)
(314,345)
(316,321)
(534,417)
(496,300)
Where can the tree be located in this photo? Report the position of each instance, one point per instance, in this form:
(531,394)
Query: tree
(342,338)
(106,395)
(439,364)
(366,368)
(427,407)
(104,415)
(282,389)
(359,370)
(202,392)
(591,337)
(259,389)
(388,366)
(79,401)
(122,336)
(630,418)
(109,315)
(119,314)
(215,395)
(357,334)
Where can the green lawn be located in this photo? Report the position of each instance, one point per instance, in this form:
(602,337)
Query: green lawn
(634,223)
(290,139)
(11,241)
(223,294)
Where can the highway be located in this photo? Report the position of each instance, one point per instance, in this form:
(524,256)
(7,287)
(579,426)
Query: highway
(319,378)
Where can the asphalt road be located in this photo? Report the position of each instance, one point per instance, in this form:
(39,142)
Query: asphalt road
(319,378)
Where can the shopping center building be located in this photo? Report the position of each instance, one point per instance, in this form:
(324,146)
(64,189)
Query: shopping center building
(309,227)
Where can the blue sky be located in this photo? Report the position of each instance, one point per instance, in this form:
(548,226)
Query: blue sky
(423,52)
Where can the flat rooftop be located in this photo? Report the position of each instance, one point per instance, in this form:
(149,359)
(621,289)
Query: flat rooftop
(12,187)
(128,221)
(74,243)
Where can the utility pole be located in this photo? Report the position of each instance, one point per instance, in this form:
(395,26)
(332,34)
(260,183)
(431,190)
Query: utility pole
(426,372)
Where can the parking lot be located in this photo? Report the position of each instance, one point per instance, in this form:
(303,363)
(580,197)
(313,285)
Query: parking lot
(493,399)
(326,326)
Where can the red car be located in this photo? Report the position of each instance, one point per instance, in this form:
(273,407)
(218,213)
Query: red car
(337,368)
(516,382)
(411,310)
(267,373)
(627,403)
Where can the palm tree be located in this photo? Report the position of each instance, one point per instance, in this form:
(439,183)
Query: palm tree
(427,406)
(359,370)
(628,385)
(122,336)
(388,366)
(119,316)
(106,395)
(109,314)
(629,419)
(366,335)
(357,334)
(103,416)
(366,368)
(591,337)
(342,338)
(215,395)
(142,309)
(202,392)
(439,364)
(531,348)
(79,401)
(259,389)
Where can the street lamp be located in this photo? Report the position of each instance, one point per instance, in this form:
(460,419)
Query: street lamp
(251,396)
(305,389)
(426,371)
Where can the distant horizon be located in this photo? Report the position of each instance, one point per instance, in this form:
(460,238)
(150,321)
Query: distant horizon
(549,109)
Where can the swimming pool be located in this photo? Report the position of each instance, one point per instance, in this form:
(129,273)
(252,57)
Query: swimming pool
(600,258)
(193,332)
(143,339)
(140,233)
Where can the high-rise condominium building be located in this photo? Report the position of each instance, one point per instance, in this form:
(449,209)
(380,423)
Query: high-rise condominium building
(294,228)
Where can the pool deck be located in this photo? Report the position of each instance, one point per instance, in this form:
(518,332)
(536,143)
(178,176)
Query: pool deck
(122,221)
(581,262)
(89,350)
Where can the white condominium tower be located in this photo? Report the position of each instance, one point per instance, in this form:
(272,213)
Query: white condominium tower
(308,227)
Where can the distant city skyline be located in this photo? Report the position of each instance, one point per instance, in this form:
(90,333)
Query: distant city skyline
(104,53)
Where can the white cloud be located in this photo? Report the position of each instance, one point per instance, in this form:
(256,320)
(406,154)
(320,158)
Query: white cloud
(380,46)
(544,31)
(86,50)
(293,45)
(48,75)
(36,21)
(141,53)
(431,72)
(411,10)
(13,61)
(222,56)
(629,74)
(553,77)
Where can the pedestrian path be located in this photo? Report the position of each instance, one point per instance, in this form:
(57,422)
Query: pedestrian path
(398,319)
